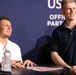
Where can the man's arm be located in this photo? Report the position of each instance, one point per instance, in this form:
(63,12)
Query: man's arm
(58,60)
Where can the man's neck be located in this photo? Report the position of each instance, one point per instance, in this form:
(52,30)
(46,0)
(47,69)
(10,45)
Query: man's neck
(70,24)
(4,41)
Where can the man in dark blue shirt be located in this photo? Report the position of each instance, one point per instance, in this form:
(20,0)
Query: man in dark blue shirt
(63,48)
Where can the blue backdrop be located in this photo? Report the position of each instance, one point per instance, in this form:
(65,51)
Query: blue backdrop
(33,22)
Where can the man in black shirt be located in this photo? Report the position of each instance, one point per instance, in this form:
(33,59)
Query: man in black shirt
(63,48)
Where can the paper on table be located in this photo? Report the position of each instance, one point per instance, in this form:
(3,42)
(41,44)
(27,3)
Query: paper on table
(45,69)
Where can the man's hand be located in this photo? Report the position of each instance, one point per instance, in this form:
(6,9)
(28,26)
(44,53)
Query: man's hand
(29,63)
(19,64)
(73,69)
(16,64)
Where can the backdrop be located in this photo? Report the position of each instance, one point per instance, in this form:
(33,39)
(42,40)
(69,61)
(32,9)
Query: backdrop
(33,22)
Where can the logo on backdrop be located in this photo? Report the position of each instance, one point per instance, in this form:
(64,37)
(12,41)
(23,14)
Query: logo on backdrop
(55,19)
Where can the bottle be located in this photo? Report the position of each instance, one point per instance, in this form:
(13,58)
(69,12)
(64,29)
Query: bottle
(6,60)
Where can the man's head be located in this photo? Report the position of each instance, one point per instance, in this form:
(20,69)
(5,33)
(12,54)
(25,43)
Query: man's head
(5,27)
(67,1)
(69,9)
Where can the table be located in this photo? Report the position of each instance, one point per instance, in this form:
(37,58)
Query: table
(24,71)
(31,72)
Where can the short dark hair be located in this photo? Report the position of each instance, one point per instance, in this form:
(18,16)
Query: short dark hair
(4,18)
(67,1)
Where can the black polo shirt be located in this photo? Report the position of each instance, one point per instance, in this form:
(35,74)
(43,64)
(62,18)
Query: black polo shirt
(64,42)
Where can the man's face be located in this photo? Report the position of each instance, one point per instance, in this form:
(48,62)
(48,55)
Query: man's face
(5,28)
(69,11)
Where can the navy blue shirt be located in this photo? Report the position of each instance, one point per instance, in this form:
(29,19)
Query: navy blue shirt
(64,42)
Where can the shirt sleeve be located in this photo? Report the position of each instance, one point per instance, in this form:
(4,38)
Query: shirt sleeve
(54,43)
(16,54)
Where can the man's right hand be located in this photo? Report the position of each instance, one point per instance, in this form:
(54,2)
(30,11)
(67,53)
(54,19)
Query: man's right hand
(16,64)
